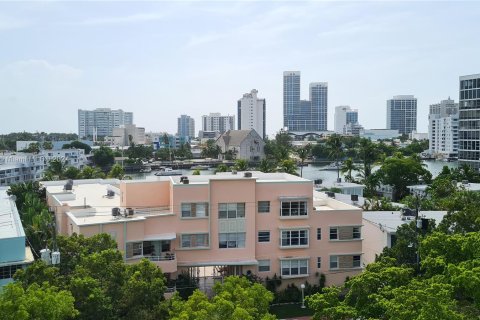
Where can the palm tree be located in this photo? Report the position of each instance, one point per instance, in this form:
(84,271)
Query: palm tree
(288,166)
(266,166)
(334,145)
(368,155)
(347,167)
(303,153)
(241,165)
(56,170)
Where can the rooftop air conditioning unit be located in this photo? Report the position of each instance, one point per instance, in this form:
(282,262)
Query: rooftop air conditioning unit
(247,175)
(354,197)
(185,181)
(115,212)
(183,178)
(330,194)
(130,211)
(234,171)
(318,181)
(110,193)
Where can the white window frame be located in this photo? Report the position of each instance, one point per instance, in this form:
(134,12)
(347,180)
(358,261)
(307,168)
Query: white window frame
(264,265)
(319,262)
(333,260)
(294,267)
(191,210)
(287,213)
(232,240)
(287,234)
(231,210)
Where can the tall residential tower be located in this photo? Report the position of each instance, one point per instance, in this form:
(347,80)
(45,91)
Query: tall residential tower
(402,113)
(186,126)
(443,128)
(252,113)
(217,122)
(304,115)
(469,121)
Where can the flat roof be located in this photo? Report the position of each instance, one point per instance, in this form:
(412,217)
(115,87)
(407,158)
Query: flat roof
(10,223)
(90,205)
(391,220)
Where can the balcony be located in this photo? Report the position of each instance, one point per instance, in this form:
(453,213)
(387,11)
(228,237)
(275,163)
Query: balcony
(167,261)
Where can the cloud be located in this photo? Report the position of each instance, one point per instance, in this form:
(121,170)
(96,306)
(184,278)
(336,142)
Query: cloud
(42,69)
(134,18)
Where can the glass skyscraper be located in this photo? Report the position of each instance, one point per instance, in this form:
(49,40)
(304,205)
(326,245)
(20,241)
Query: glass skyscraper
(304,115)
(402,114)
(469,121)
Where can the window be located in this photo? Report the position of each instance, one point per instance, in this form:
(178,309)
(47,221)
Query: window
(319,262)
(263,236)
(194,210)
(199,240)
(333,262)
(356,233)
(134,249)
(294,267)
(292,238)
(263,206)
(231,240)
(7,272)
(319,233)
(333,233)
(263,265)
(231,210)
(293,209)
(356,261)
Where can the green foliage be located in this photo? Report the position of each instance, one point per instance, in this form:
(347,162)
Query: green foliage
(78,145)
(91,173)
(117,172)
(400,172)
(222,168)
(36,302)
(139,151)
(278,149)
(347,167)
(211,150)
(241,165)
(235,298)
(288,166)
(103,156)
(196,172)
(32,148)
(267,165)
(335,149)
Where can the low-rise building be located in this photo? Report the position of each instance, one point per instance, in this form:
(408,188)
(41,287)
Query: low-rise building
(379,134)
(14,255)
(244,144)
(218,225)
(126,134)
(380,228)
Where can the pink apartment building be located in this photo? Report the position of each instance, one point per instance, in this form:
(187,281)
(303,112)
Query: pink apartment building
(265,223)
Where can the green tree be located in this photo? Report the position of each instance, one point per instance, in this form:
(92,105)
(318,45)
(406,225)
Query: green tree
(211,150)
(266,165)
(368,154)
(303,153)
(237,298)
(78,145)
(47,145)
(334,146)
(288,166)
(196,172)
(71,173)
(36,302)
(56,170)
(117,172)
(241,165)
(33,148)
(347,167)
(222,168)
(91,173)
(103,156)
(400,172)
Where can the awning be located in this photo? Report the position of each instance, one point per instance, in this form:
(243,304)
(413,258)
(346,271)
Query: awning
(162,236)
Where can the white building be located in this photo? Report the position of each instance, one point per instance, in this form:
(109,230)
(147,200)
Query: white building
(252,113)
(443,129)
(379,134)
(217,122)
(344,115)
(101,121)
(244,144)
(25,167)
(380,228)
(121,135)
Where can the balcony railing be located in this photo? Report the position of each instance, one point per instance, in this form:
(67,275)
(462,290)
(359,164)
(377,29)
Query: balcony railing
(164,257)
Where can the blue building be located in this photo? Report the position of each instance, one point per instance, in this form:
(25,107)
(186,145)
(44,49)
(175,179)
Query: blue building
(174,141)
(14,254)
(304,115)
(402,114)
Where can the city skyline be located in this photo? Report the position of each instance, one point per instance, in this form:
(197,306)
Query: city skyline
(62,57)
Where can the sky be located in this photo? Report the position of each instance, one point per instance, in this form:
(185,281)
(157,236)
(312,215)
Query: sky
(163,59)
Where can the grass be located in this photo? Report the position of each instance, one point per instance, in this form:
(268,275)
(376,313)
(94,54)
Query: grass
(291,310)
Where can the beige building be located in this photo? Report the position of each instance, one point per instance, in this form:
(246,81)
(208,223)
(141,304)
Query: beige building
(219,225)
